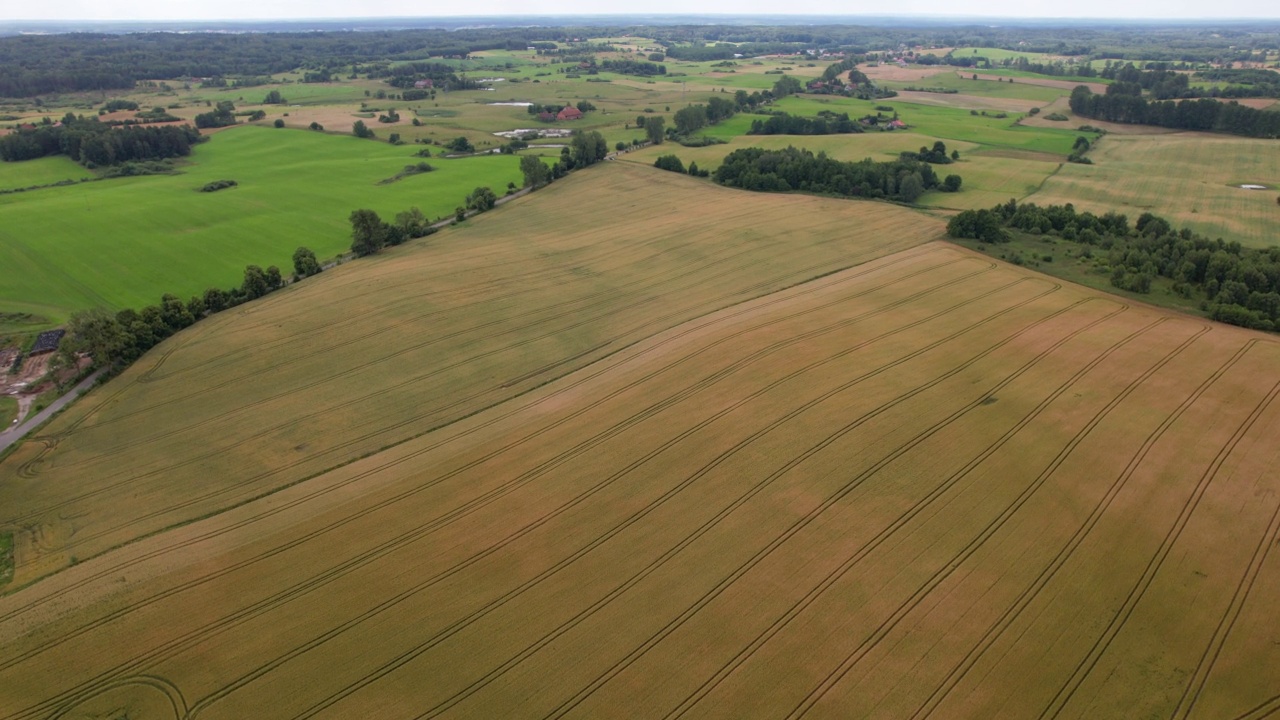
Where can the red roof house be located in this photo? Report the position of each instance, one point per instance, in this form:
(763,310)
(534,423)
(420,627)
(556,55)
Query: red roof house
(569,113)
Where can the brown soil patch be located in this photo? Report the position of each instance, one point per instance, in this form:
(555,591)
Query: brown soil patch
(889,71)
(967,102)
(1042,82)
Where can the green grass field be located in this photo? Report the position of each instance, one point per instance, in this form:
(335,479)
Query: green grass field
(8,411)
(43,171)
(1191,179)
(123,243)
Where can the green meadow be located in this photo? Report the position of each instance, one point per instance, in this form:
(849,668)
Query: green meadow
(43,171)
(124,242)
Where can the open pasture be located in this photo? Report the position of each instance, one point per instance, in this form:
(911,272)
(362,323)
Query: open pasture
(124,242)
(42,171)
(926,486)
(1191,179)
(387,348)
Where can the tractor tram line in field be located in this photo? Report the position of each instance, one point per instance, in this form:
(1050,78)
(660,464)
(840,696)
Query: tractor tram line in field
(844,490)
(286,468)
(716,462)
(816,591)
(1024,599)
(244,407)
(715,377)
(404,658)
(655,346)
(436,524)
(968,550)
(1090,661)
(910,514)
(1204,667)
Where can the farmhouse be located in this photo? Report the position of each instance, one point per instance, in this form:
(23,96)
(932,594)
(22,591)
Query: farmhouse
(569,113)
(423,84)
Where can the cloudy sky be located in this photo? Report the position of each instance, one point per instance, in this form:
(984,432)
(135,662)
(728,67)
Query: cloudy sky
(271,9)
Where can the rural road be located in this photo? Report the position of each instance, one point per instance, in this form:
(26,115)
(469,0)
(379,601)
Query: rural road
(9,437)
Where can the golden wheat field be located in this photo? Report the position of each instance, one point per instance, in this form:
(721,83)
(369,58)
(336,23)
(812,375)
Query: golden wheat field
(926,485)
(379,351)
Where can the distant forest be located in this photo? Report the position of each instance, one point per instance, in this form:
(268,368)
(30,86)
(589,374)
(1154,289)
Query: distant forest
(33,65)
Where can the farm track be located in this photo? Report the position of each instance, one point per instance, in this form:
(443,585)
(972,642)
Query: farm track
(1025,598)
(313,583)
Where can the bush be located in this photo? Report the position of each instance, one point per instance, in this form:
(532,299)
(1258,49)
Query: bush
(217,185)
(1056,117)
(278,123)
(670,163)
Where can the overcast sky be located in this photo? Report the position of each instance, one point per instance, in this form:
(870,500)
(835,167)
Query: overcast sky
(273,9)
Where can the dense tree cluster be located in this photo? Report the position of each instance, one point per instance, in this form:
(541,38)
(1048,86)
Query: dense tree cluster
(1239,285)
(222,115)
(692,118)
(92,143)
(826,123)
(797,169)
(633,67)
(1124,106)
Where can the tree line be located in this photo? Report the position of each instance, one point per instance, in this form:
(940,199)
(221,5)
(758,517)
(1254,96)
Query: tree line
(826,123)
(93,144)
(791,169)
(122,337)
(1204,114)
(1237,284)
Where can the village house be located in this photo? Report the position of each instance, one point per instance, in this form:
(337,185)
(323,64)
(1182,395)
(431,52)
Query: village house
(424,84)
(569,113)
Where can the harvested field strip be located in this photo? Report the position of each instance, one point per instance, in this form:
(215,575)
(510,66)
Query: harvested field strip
(532,295)
(813,501)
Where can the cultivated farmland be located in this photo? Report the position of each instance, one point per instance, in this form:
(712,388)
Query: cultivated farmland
(388,348)
(886,492)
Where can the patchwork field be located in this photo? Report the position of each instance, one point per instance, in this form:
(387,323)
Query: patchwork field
(886,492)
(385,349)
(125,242)
(1190,178)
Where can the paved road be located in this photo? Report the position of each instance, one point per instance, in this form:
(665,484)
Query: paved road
(9,437)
